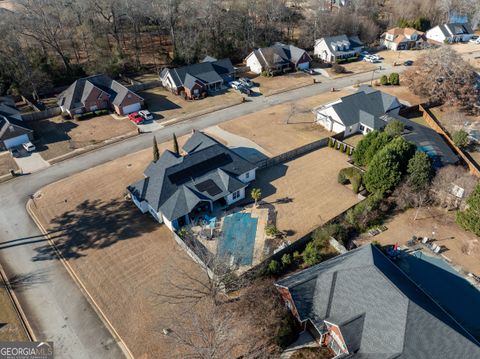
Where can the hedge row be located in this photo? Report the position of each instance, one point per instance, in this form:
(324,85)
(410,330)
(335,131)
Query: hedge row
(86,115)
(340,146)
(351,175)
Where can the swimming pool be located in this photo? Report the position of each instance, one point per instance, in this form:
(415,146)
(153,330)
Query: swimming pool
(429,150)
(441,281)
(238,238)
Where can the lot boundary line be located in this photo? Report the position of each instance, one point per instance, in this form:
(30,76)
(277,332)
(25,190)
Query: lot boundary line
(17,307)
(121,343)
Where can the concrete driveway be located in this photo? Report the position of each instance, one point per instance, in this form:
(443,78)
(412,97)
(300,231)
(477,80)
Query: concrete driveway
(30,162)
(55,306)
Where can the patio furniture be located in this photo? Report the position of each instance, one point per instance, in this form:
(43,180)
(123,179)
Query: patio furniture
(425,240)
(437,250)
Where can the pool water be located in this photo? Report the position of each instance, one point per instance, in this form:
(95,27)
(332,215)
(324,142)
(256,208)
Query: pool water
(238,238)
(437,163)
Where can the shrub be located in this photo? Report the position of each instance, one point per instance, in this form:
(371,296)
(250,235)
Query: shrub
(394,128)
(469,219)
(342,178)
(331,142)
(286,334)
(313,251)
(460,138)
(101,112)
(369,146)
(271,230)
(274,268)
(286,260)
(384,80)
(366,213)
(344,149)
(352,175)
(338,69)
(420,171)
(297,257)
(394,79)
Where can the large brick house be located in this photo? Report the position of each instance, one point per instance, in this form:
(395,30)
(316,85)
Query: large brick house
(361,305)
(98,92)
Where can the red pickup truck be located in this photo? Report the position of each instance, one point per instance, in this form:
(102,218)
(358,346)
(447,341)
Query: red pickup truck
(135,118)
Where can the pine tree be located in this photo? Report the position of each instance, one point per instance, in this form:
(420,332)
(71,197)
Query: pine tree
(175,145)
(156,153)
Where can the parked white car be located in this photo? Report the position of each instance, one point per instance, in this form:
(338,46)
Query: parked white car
(475,40)
(28,146)
(370,58)
(235,85)
(245,82)
(147,116)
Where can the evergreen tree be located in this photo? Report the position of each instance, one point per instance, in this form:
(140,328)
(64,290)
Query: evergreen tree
(470,218)
(175,145)
(420,171)
(156,153)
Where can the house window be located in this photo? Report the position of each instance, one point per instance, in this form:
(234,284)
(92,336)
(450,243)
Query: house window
(247,175)
(362,128)
(195,91)
(235,195)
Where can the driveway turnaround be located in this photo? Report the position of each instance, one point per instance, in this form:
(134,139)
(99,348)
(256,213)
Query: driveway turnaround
(56,308)
(31,162)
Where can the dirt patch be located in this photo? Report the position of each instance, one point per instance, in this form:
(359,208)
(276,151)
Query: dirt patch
(402,227)
(7,163)
(57,137)
(125,259)
(11,328)
(305,191)
(269,129)
(166,106)
(276,84)
(399,57)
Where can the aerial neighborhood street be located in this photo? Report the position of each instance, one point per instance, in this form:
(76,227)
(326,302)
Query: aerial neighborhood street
(287,180)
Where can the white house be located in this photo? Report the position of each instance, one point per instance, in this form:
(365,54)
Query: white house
(278,58)
(453,32)
(177,189)
(333,48)
(400,38)
(360,112)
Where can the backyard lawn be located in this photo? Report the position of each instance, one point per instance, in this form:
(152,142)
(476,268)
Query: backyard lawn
(269,129)
(57,137)
(125,259)
(166,106)
(305,192)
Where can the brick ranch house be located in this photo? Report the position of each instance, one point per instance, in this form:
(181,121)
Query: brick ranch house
(361,305)
(98,92)
(197,80)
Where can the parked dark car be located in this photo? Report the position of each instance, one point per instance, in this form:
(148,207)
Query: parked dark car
(245,90)
(310,71)
(246,82)
(408,63)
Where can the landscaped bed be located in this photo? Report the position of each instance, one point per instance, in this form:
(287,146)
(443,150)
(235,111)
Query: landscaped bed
(57,137)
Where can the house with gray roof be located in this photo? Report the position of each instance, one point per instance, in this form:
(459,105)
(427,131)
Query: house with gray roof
(176,189)
(98,92)
(197,80)
(278,58)
(360,112)
(453,32)
(361,305)
(334,48)
(368,110)
(13,131)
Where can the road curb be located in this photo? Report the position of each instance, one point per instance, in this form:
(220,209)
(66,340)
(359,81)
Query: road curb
(18,308)
(123,346)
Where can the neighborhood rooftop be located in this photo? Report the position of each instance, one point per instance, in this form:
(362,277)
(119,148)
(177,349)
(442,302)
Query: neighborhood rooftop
(278,53)
(342,43)
(381,313)
(175,184)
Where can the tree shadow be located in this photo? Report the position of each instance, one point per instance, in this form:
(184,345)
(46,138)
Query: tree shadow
(47,132)
(157,102)
(19,282)
(266,176)
(95,225)
(251,154)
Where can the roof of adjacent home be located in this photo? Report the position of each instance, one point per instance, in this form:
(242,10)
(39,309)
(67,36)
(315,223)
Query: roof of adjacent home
(380,311)
(76,94)
(455,29)
(350,41)
(206,72)
(366,106)
(402,33)
(175,184)
(11,127)
(278,54)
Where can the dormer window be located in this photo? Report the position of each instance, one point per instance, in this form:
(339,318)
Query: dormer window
(129,96)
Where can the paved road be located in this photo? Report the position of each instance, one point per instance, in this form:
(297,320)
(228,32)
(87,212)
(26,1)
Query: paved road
(55,306)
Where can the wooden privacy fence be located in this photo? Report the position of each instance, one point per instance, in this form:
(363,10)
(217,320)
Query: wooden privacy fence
(144,86)
(435,125)
(36,116)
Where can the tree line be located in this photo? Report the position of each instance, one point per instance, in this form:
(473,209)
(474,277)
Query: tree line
(48,43)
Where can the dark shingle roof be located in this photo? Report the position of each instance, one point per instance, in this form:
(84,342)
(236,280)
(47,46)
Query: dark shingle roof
(174,185)
(207,72)
(350,41)
(75,95)
(364,293)
(455,29)
(11,127)
(278,54)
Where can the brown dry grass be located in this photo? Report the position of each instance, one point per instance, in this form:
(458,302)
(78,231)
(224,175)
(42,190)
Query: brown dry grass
(11,328)
(58,137)
(123,258)
(403,93)
(271,85)
(311,183)
(7,163)
(353,68)
(391,57)
(402,227)
(166,105)
(269,130)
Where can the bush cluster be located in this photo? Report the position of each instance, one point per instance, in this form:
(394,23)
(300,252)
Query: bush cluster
(392,79)
(338,69)
(87,115)
(351,175)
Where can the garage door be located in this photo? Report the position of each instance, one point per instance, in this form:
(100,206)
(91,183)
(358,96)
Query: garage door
(16,141)
(131,108)
(303,65)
